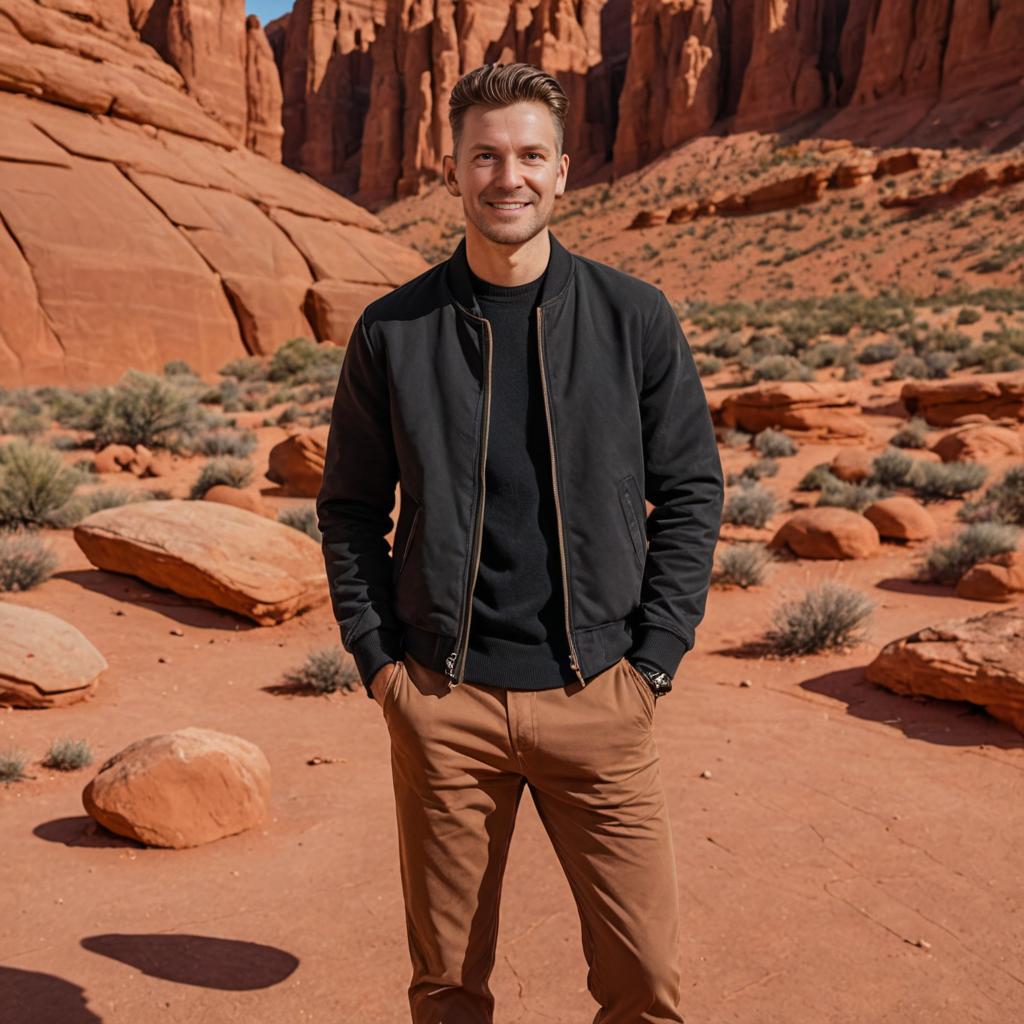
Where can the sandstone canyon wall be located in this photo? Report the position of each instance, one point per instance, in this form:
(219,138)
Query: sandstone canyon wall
(142,218)
(366,83)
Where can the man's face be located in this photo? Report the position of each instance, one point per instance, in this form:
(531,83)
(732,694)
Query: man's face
(508,171)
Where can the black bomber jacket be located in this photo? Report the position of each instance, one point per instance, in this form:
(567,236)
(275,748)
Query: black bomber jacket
(627,420)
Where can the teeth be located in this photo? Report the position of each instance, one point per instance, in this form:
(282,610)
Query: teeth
(508,206)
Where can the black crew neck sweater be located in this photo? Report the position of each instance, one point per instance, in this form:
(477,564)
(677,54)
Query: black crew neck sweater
(517,634)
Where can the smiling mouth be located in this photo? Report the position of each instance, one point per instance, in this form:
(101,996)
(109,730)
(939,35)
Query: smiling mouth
(508,206)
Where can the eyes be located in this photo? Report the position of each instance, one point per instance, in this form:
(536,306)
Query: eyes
(540,156)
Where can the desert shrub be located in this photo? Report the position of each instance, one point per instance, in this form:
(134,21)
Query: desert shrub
(12,765)
(22,423)
(324,671)
(749,505)
(68,755)
(736,438)
(707,365)
(725,345)
(842,494)
(755,471)
(780,368)
(932,481)
(742,565)
(1003,502)
(760,345)
(25,561)
(225,442)
(829,616)
(827,353)
(34,483)
(140,409)
(224,469)
(64,442)
(879,352)
(968,315)
(892,468)
(817,477)
(178,368)
(303,519)
(81,505)
(990,357)
(301,361)
(245,368)
(774,444)
(913,434)
(946,563)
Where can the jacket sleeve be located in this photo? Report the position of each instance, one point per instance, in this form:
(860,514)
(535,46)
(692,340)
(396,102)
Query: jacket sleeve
(354,508)
(683,481)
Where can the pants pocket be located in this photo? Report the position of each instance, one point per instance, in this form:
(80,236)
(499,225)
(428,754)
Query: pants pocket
(646,693)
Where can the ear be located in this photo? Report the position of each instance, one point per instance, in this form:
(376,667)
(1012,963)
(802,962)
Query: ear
(563,173)
(448,175)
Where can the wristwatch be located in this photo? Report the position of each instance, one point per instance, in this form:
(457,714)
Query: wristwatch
(660,682)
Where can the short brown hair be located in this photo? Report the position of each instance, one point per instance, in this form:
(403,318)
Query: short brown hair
(501,85)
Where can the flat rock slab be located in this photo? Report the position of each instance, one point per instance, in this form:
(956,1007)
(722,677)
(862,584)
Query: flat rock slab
(181,788)
(44,661)
(980,660)
(233,558)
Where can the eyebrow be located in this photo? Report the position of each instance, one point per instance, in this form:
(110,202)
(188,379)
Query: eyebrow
(493,149)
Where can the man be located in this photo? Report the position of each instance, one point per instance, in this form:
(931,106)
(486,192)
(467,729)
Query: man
(529,613)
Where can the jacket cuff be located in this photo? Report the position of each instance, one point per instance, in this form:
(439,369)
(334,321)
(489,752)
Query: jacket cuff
(372,650)
(660,648)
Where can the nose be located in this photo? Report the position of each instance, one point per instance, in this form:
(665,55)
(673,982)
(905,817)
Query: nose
(510,176)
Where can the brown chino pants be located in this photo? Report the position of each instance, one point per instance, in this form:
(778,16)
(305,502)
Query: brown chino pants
(460,760)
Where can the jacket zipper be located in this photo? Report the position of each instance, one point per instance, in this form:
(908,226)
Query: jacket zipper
(573,659)
(458,656)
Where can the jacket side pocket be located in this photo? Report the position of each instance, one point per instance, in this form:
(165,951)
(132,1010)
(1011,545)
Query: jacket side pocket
(630,514)
(403,546)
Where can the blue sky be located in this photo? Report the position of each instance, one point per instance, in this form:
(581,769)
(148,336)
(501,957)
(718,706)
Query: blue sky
(267,9)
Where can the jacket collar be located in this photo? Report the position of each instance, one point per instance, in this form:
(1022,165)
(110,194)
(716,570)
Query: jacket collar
(556,280)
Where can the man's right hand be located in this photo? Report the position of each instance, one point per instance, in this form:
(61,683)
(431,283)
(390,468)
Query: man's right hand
(380,677)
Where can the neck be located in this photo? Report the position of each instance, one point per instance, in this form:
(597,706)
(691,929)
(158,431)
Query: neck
(506,264)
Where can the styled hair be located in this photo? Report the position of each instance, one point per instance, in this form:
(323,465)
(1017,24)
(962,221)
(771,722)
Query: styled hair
(501,85)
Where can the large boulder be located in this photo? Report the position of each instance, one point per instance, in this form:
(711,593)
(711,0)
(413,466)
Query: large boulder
(822,408)
(980,660)
(977,443)
(901,518)
(827,532)
(181,788)
(999,578)
(44,661)
(230,557)
(297,462)
(942,402)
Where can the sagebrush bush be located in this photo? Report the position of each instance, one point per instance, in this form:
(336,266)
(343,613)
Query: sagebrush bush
(222,470)
(735,438)
(780,368)
(749,505)
(855,496)
(829,616)
(301,361)
(879,352)
(79,506)
(892,468)
(932,481)
(742,565)
(34,483)
(141,409)
(68,754)
(325,671)
(1003,502)
(774,444)
(303,519)
(245,368)
(946,563)
(12,765)
(238,443)
(913,434)
(754,471)
(817,477)
(25,561)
